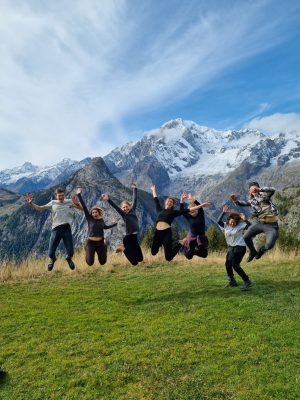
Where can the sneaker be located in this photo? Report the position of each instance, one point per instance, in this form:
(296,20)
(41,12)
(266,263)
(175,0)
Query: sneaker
(251,256)
(246,285)
(260,252)
(51,265)
(70,262)
(231,283)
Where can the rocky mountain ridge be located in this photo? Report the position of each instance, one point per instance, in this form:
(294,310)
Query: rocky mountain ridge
(30,178)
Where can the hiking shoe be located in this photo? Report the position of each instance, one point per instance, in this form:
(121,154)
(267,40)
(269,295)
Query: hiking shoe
(231,283)
(251,256)
(260,252)
(51,265)
(71,264)
(246,285)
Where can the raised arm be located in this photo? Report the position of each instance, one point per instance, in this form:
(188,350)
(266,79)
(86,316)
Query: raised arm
(106,197)
(134,196)
(28,199)
(220,219)
(244,218)
(154,194)
(84,207)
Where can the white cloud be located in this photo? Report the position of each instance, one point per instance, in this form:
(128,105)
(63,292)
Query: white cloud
(276,123)
(71,71)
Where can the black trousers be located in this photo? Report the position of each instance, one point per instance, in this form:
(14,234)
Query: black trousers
(62,232)
(98,247)
(132,249)
(164,238)
(234,257)
(194,249)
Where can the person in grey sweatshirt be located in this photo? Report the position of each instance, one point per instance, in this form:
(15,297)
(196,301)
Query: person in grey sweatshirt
(233,230)
(265,216)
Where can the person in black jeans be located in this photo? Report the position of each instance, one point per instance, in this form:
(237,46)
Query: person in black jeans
(196,242)
(132,249)
(62,216)
(95,242)
(233,230)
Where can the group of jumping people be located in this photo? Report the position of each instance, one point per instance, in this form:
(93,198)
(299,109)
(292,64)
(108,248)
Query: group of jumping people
(238,231)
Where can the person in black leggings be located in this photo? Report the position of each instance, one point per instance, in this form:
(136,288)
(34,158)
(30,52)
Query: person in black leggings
(95,242)
(163,231)
(196,242)
(132,249)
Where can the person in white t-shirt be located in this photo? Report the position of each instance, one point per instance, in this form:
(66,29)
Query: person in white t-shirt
(233,230)
(62,215)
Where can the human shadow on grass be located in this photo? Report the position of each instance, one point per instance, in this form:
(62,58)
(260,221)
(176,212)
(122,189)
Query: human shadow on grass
(3,377)
(259,289)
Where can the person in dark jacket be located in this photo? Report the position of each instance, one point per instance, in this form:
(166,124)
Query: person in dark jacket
(265,216)
(233,230)
(96,225)
(132,249)
(196,242)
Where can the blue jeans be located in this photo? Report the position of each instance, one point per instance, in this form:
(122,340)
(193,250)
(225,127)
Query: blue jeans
(270,230)
(62,232)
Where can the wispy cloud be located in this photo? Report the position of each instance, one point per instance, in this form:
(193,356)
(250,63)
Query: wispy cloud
(72,71)
(276,123)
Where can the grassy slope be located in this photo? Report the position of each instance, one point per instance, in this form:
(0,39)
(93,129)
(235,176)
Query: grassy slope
(153,332)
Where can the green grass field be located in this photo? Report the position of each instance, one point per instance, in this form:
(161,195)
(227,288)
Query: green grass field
(155,332)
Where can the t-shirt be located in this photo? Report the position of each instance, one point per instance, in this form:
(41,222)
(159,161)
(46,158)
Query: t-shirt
(234,234)
(62,213)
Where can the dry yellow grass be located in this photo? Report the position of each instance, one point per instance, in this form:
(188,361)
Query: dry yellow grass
(36,268)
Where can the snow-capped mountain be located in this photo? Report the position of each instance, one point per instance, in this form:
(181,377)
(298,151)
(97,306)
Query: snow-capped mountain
(29,177)
(184,155)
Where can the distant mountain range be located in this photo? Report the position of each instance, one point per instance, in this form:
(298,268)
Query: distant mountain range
(31,178)
(180,155)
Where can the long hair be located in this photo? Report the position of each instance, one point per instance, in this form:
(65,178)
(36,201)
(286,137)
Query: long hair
(100,211)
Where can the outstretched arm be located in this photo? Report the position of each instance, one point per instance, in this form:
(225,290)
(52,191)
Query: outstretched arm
(202,205)
(114,223)
(28,199)
(106,197)
(237,202)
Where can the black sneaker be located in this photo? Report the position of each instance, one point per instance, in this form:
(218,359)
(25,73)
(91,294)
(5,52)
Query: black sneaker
(251,256)
(71,264)
(231,283)
(246,285)
(260,252)
(51,265)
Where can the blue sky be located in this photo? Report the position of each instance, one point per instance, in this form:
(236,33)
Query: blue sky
(78,78)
